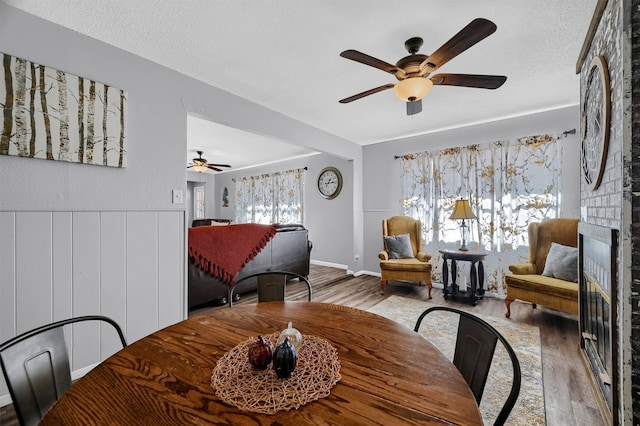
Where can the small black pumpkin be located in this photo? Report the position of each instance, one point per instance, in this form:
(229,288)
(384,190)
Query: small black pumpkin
(284,359)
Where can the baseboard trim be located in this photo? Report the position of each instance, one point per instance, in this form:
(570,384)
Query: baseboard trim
(5,400)
(329,264)
(370,273)
(75,375)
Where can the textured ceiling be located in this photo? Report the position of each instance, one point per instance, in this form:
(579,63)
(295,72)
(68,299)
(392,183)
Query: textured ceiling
(284,54)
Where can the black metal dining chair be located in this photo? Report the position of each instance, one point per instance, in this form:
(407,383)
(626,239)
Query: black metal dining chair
(271,285)
(475,346)
(36,367)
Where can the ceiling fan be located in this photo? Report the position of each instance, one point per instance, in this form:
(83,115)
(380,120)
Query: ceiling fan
(414,71)
(200,164)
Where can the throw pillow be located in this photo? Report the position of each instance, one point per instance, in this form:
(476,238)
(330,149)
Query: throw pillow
(214,223)
(398,246)
(562,263)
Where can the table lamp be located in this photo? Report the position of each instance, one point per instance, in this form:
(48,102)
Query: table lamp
(462,211)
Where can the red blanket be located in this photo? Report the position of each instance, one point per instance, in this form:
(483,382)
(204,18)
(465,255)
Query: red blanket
(224,250)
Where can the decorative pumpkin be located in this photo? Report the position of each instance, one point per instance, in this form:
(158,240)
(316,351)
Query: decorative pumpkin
(284,359)
(295,337)
(260,353)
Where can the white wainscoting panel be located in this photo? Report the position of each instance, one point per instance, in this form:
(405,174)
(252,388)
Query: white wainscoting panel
(34,266)
(168,251)
(62,265)
(7,278)
(86,287)
(127,265)
(113,274)
(142,299)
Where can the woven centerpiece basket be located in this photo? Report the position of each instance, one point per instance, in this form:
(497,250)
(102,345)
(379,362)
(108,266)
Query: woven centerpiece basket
(237,383)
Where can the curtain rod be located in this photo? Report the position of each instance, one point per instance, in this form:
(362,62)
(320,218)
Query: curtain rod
(303,168)
(565,133)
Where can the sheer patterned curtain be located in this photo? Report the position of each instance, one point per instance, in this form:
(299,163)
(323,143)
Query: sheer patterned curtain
(271,198)
(508,183)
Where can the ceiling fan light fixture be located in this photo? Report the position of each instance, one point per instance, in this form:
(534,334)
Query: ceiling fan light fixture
(412,88)
(200,168)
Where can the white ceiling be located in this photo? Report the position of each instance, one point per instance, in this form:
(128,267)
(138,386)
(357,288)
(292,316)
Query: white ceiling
(284,55)
(226,145)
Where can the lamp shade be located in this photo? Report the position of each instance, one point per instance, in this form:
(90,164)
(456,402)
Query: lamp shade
(462,210)
(413,88)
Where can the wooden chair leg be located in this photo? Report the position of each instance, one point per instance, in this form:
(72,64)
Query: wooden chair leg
(383,282)
(534,305)
(430,285)
(507,302)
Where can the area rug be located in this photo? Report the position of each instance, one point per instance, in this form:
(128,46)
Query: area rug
(440,328)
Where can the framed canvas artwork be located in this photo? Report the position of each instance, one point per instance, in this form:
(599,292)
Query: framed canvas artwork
(54,115)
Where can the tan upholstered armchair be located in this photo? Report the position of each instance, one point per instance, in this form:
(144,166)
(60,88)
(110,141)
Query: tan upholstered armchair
(414,268)
(528,282)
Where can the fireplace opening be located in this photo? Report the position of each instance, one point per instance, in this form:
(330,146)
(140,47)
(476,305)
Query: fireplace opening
(598,261)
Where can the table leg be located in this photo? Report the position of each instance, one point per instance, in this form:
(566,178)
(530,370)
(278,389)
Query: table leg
(474,283)
(445,278)
(454,273)
(480,279)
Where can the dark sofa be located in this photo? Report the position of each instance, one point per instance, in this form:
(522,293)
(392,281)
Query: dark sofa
(289,250)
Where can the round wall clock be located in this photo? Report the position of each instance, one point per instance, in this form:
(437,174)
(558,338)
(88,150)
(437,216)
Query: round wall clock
(329,182)
(596,119)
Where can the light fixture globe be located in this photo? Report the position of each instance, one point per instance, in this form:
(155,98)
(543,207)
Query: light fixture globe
(412,88)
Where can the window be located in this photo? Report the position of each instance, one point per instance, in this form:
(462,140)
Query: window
(271,198)
(509,184)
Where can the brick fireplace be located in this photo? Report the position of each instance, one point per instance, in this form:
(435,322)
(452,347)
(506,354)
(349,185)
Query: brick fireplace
(614,34)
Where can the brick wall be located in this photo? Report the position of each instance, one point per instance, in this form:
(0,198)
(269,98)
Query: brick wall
(634,174)
(615,203)
(604,205)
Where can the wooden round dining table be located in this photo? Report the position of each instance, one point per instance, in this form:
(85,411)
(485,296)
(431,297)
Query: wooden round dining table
(390,375)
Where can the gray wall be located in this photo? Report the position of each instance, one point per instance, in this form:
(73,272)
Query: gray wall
(158,102)
(80,239)
(329,221)
(381,182)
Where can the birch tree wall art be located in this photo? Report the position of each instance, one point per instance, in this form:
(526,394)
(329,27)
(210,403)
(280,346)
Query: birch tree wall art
(54,115)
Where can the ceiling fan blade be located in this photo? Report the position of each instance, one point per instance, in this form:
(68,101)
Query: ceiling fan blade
(363,58)
(212,167)
(414,107)
(469,80)
(188,167)
(367,93)
(220,165)
(476,31)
